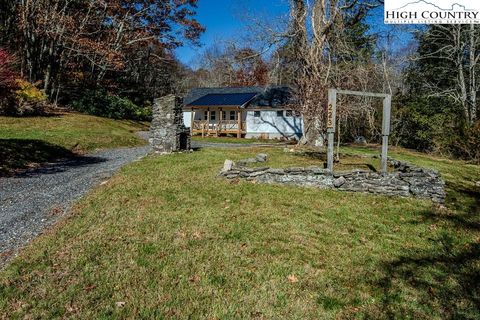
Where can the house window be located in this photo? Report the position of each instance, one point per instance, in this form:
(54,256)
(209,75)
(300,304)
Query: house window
(224,115)
(213,115)
(289,113)
(256,114)
(232,115)
(280,114)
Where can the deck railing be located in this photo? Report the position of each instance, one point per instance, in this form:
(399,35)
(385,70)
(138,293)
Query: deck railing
(218,126)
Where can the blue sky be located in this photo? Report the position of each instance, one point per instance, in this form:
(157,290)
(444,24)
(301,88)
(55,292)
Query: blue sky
(226,20)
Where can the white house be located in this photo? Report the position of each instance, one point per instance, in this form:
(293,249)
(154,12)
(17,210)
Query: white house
(250,112)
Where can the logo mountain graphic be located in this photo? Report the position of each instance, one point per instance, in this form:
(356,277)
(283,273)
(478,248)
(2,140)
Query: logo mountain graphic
(460,7)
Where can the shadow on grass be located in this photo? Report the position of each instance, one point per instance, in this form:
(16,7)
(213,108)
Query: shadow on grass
(460,198)
(440,281)
(25,157)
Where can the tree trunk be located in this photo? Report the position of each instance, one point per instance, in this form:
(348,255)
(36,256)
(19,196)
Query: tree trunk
(473,81)
(461,74)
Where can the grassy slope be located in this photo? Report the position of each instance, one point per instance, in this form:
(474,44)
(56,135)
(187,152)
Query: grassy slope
(39,139)
(171,240)
(73,131)
(235,140)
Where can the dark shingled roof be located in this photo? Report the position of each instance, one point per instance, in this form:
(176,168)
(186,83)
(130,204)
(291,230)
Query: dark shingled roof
(269,97)
(224,99)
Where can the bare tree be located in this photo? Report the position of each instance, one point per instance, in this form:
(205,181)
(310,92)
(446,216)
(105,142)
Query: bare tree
(313,28)
(455,51)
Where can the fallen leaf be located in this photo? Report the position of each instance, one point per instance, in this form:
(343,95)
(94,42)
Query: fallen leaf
(292,278)
(197,235)
(89,288)
(56,211)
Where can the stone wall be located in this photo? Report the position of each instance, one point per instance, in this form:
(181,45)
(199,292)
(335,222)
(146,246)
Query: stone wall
(168,133)
(406,180)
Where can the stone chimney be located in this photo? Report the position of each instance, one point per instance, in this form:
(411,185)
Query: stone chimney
(168,133)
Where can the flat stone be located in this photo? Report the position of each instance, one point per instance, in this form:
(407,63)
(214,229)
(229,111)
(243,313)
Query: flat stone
(294,170)
(228,165)
(276,171)
(337,183)
(261,157)
(316,170)
(256,174)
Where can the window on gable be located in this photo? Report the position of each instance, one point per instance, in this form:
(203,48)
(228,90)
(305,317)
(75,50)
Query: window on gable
(289,113)
(256,114)
(280,114)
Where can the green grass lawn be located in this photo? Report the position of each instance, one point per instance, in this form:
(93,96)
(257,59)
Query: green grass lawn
(28,140)
(235,140)
(168,238)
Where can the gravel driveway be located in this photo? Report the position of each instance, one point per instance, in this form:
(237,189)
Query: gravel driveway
(34,200)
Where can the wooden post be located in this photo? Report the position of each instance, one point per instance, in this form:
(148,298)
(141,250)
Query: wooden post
(208,121)
(219,124)
(387,108)
(331,122)
(192,120)
(239,124)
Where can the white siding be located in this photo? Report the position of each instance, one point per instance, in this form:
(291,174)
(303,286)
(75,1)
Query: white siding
(269,125)
(187,119)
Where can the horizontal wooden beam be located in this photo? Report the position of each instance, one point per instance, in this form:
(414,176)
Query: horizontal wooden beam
(364,94)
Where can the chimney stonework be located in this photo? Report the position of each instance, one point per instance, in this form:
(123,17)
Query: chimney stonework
(168,133)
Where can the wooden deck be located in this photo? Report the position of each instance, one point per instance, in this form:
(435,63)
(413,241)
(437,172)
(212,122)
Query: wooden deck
(207,128)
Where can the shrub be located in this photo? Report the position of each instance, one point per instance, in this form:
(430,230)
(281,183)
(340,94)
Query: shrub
(100,103)
(468,145)
(29,93)
(7,81)
(17,96)
(7,75)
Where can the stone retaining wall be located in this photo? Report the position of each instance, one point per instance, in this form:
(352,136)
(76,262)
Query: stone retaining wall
(406,180)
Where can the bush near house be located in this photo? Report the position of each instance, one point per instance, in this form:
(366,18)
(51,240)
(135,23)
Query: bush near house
(101,103)
(17,96)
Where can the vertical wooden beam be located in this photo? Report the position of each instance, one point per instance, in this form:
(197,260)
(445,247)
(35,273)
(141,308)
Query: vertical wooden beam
(331,122)
(208,121)
(239,124)
(203,122)
(192,120)
(219,123)
(387,108)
